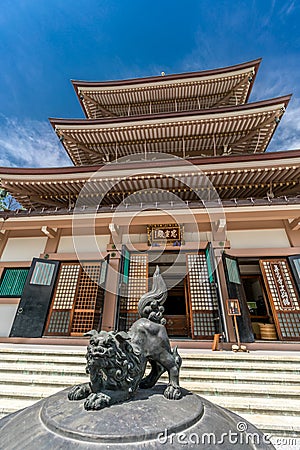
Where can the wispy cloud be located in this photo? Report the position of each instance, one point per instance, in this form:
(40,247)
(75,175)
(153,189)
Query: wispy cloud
(30,143)
(287,136)
(287,8)
(274,83)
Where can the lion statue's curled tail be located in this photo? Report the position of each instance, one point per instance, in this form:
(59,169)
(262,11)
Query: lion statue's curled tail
(150,305)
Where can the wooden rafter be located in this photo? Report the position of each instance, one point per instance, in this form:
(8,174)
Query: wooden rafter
(79,144)
(227,97)
(41,200)
(99,106)
(254,131)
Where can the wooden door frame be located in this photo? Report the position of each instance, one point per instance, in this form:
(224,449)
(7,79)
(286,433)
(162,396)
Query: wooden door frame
(244,320)
(259,276)
(187,307)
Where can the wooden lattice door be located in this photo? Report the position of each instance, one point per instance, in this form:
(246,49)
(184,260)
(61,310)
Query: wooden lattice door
(135,285)
(203,301)
(61,312)
(88,306)
(283,297)
(78,299)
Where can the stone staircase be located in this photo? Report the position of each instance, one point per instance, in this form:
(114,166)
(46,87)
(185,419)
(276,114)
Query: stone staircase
(262,388)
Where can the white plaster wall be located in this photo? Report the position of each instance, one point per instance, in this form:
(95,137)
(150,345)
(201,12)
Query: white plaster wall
(23,249)
(134,238)
(258,239)
(7,315)
(196,237)
(83,244)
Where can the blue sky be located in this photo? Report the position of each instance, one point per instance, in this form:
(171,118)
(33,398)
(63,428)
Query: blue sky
(44,44)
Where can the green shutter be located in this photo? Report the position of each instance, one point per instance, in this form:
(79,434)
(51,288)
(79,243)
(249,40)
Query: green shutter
(209,266)
(12,282)
(126,267)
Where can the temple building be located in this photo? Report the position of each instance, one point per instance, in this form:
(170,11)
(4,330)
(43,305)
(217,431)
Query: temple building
(170,171)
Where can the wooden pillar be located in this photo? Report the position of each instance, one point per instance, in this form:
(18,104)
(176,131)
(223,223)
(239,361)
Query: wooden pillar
(3,241)
(293,232)
(111,293)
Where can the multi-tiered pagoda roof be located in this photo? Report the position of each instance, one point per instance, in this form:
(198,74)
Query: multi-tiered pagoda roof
(201,117)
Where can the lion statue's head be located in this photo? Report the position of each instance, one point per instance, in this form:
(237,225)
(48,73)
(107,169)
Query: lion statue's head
(112,358)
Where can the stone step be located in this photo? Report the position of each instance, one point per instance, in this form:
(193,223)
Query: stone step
(31,392)
(26,392)
(214,379)
(46,359)
(271,424)
(51,369)
(236,376)
(61,381)
(251,356)
(41,388)
(192,366)
(189,354)
(28,383)
(9,405)
(241,366)
(194,356)
(43,351)
(254,405)
(244,391)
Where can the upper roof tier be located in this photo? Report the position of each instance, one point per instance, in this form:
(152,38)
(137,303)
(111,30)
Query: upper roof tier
(229,86)
(228,130)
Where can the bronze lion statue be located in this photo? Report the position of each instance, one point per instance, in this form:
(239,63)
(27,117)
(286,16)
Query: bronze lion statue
(116,361)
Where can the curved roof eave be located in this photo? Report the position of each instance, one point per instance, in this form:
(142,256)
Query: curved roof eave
(157,79)
(73,170)
(179,76)
(228,109)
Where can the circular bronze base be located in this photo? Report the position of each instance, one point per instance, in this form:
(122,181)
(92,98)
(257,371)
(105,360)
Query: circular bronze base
(149,421)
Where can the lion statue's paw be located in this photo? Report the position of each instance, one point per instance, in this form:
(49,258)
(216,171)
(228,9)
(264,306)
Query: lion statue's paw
(173,392)
(79,392)
(97,401)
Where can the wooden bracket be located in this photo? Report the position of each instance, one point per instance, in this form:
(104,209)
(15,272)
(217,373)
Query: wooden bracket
(49,232)
(295,224)
(3,234)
